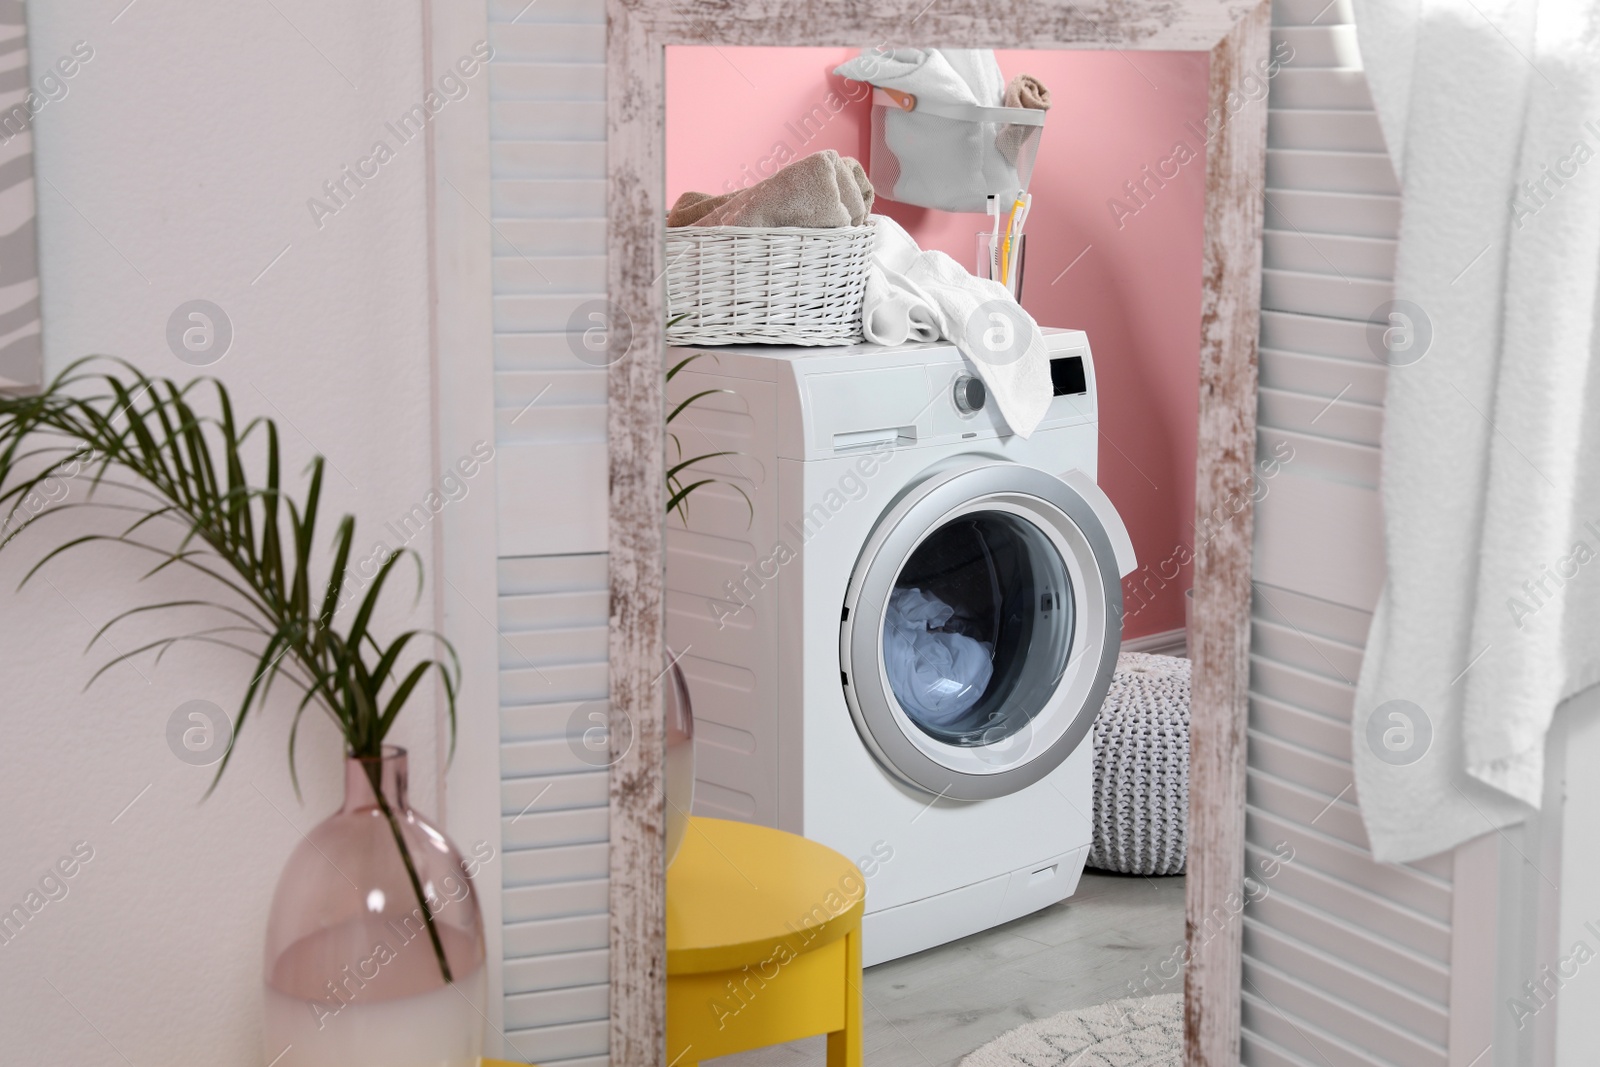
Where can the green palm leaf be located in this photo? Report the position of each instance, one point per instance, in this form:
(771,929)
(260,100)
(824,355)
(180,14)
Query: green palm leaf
(255,541)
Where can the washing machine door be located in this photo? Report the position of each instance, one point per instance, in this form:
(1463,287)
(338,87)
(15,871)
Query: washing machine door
(982,626)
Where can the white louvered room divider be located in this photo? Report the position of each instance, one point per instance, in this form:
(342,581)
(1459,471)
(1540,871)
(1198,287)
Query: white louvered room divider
(1347,961)
(547,144)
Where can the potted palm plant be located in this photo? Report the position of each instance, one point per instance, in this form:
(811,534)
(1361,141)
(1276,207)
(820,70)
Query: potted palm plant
(375,942)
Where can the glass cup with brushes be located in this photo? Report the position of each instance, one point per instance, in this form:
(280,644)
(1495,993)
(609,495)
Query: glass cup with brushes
(1002,251)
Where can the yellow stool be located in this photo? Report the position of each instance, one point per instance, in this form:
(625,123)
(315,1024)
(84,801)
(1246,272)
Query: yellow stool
(763,944)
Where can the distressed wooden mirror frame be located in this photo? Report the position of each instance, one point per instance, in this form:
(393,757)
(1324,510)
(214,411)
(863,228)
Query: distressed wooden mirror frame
(1237,37)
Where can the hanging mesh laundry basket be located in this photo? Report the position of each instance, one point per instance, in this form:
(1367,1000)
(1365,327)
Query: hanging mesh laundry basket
(785,285)
(1141,768)
(950,156)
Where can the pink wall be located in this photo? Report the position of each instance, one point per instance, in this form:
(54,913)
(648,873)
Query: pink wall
(1126,270)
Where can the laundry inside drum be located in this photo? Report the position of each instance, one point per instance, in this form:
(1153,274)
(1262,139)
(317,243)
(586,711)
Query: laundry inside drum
(978,628)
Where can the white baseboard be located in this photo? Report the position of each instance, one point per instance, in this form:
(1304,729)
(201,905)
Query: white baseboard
(1166,643)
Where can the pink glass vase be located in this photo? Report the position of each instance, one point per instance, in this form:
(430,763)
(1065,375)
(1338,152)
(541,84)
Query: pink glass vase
(375,952)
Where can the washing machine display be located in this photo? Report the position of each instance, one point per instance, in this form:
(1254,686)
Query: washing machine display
(981,628)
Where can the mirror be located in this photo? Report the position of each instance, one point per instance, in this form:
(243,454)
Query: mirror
(652,950)
(898,619)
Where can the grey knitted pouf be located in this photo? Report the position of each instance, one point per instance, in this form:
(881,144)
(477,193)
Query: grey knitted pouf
(1141,768)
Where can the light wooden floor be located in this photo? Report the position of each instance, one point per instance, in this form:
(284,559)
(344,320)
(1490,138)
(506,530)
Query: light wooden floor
(931,1009)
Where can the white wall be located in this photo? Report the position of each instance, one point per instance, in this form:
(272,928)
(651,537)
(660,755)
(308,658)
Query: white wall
(177,167)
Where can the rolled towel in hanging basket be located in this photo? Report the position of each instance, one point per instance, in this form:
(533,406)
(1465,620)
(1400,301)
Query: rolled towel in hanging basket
(1141,768)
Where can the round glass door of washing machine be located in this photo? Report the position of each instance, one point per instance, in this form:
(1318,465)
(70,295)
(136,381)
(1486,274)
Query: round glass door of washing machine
(980,630)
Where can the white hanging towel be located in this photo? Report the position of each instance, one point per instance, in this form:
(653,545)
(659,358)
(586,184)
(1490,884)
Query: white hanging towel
(912,294)
(1490,612)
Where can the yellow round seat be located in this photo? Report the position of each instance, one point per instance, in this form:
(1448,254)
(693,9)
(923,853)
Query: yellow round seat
(763,944)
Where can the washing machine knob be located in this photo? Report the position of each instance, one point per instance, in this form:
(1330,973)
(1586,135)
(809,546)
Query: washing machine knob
(970,394)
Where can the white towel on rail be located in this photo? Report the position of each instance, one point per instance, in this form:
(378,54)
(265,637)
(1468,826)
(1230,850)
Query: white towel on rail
(1490,614)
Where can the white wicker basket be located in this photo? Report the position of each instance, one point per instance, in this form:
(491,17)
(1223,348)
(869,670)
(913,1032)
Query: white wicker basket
(781,285)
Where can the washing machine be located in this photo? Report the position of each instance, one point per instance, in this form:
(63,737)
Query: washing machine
(897,620)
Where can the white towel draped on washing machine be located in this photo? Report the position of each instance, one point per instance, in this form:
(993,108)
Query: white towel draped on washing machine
(937,676)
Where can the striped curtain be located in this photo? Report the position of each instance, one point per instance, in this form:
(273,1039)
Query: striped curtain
(21,355)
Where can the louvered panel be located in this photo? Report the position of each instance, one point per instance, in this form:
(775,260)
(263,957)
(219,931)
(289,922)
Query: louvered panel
(1296,763)
(1372,996)
(1287,644)
(1340,418)
(529,275)
(539,611)
(523,12)
(557,682)
(538,352)
(1323,293)
(554,646)
(1329,253)
(532,421)
(1356,214)
(1312,12)
(577,160)
(556,755)
(552,508)
(1320,537)
(1318,130)
(1395,1044)
(1404,926)
(530,42)
(560,864)
(572,934)
(1323,618)
(549,237)
(554,792)
(554,313)
(1367,173)
(539,575)
(547,81)
(541,199)
(1314,733)
(1319,46)
(1322,457)
(1315,692)
(1315,336)
(548,120)
(556,1006)
(529,903)
(1257,1051)
(1320,376)
(534,722)
(578,1044)
(1337,816)
(1321,1048)
(1360,947)
(1319,90)
(536,973)
(556,390)
(1405,887)
(554,829)
(577,1061)
(543,829)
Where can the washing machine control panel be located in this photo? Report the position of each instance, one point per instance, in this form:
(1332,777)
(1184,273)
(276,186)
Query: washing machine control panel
(969,394)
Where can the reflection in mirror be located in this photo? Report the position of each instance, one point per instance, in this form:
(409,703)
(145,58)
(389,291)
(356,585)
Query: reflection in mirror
(927,588)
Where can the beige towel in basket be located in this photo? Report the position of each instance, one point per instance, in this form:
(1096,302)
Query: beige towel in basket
(821,190)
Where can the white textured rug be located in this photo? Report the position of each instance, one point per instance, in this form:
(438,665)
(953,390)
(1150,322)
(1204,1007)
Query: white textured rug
(1137,1032)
